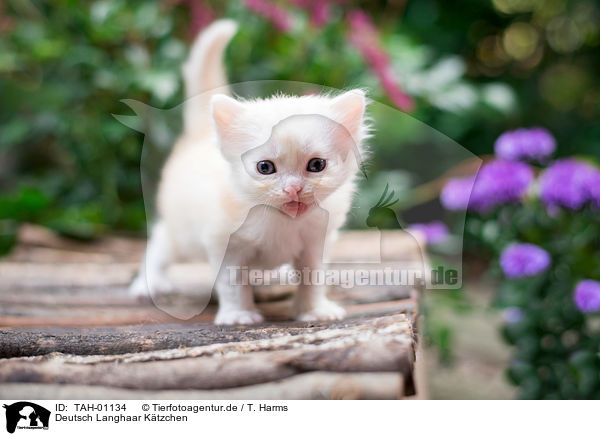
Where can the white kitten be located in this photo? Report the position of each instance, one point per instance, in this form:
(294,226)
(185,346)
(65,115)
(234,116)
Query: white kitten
(256,183)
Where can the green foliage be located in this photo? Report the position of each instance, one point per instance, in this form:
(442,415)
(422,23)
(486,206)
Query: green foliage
(439,333)
(64,70)
(555,345)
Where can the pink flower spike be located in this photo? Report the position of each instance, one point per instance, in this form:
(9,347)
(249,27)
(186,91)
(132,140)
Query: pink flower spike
(317,9)
(320,13)
(360,20)
(201,16)
(364,36)
(271,12)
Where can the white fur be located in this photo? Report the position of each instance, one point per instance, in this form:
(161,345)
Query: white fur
(212,200)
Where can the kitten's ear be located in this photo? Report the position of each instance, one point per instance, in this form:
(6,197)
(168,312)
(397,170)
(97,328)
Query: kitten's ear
(225,111)
(350,110)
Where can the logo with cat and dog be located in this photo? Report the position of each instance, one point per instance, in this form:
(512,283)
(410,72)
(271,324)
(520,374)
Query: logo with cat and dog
(25,415)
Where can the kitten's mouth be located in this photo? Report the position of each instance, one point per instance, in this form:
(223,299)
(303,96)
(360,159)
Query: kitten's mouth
(294,208)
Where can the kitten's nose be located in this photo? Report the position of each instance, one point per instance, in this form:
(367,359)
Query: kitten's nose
(293,190)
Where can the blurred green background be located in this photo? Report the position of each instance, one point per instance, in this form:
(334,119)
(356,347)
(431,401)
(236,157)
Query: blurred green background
(474,67)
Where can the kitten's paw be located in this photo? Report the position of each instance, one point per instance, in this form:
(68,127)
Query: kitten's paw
(140,287)
(238,317)
(324,311)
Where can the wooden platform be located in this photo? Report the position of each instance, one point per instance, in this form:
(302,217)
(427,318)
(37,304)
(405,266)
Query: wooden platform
(69,329)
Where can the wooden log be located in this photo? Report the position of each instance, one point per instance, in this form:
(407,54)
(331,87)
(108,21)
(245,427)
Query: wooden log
(316,385)
(115,313)
(386,344)
(21,342)
(397,245)
(40,245)
(398,325)
(83,280)
(21,275)
(139,340)
(111,345)
(119,295)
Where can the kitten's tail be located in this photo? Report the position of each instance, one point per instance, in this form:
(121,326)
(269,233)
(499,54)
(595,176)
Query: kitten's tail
(204,75)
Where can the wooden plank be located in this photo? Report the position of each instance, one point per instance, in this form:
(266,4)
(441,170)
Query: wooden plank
(39,245)
(68,327)
(316,385)
(57,296)
(75,278)
(20,342)
(21,275)
(384,344)
(13,316)
(376,246)
(17,342)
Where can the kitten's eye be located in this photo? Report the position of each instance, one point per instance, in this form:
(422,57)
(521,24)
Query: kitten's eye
(265,167)
(316,165)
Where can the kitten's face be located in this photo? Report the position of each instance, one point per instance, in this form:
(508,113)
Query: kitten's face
(294,163)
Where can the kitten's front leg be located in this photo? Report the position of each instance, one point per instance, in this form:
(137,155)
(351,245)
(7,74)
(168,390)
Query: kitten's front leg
(236,300)
(311,303)
(152,277)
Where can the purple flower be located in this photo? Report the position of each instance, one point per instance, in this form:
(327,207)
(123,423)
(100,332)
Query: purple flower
(567,183)
(587,296)
(435,232)
(593,188)
(525,144)
(512,315)
(456,193)
(498,182)
(524,260)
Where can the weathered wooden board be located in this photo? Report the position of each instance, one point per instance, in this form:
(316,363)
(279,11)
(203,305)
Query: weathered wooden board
(38,245)
(382,344)
(316,385)
(145,313)
(19,342)
(69,329)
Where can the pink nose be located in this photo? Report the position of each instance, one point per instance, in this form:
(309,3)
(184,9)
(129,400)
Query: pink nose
(292,191)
